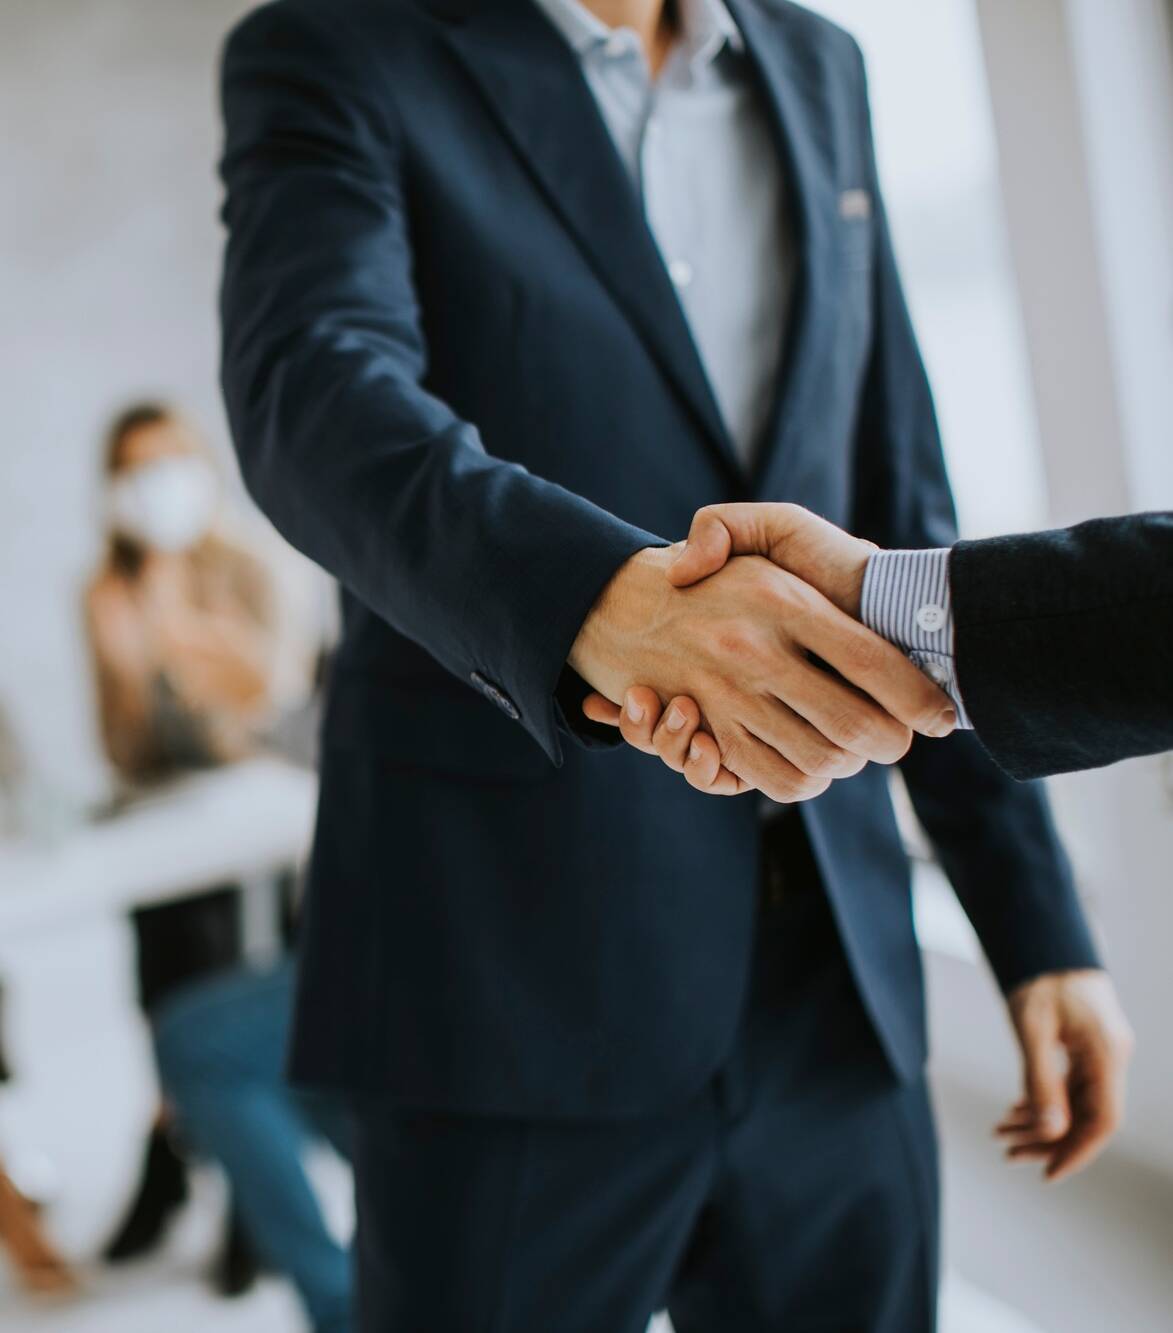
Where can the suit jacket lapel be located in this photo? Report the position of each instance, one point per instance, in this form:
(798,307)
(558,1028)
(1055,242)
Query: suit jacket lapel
(534,86)
(796,99)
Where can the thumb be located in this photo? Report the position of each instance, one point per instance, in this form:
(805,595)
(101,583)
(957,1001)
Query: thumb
(705,551)
(1044,1070)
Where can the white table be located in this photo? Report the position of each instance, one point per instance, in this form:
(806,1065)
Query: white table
(84,1089)
(229,824)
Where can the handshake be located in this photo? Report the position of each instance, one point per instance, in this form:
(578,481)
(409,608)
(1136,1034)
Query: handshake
(749,631)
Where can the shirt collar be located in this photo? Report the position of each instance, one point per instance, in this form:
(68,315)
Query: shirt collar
(706,27)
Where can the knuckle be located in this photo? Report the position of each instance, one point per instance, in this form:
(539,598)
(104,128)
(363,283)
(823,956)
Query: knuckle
(637,735)
(665,746)
(854,730)
(821,761)
(732,753)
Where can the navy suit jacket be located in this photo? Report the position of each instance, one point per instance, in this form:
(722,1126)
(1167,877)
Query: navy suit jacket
(459,378)
(1065,642)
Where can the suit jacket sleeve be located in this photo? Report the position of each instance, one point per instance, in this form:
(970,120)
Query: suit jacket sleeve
(994,837)
(491,569)
(1064,643)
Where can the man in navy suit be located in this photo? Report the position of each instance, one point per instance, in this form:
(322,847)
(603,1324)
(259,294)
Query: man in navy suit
(512,288)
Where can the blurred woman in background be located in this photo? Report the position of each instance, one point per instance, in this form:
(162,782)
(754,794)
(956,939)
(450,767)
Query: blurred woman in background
(181,626)
(180,618)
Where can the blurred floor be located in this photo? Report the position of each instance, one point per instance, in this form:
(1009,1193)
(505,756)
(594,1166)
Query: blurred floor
(1092,1255)
(1084,1258)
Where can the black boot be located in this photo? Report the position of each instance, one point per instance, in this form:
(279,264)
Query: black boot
(237,1266)
(162,1189)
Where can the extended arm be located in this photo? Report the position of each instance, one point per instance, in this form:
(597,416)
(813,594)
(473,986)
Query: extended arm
(1065,642)
(491,569)
(502,577)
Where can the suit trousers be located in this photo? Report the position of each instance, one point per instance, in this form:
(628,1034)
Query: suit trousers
(796,1193)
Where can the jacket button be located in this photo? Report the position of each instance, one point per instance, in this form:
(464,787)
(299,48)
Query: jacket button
(496,694)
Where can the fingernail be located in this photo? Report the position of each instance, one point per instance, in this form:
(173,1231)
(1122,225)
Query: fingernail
(694,752)
(945,723)
(634,711)
(1051,1118)
(676,719)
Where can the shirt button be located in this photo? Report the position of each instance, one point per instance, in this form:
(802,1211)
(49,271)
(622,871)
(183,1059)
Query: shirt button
(931,618)
(615,45)
(937,673)
(680,271)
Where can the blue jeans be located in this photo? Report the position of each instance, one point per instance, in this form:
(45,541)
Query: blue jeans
(220,1046)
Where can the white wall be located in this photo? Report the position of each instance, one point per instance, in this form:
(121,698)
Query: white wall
(1083,103)
(109,249)
(1027,154)
(1123,59)
(938,153)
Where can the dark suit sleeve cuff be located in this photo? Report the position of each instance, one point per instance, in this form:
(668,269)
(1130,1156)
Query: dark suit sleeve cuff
(1049,931)
(1068,950)
(547,692)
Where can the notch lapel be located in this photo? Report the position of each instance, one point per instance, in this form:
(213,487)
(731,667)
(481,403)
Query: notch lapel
(796,100)
(534,86)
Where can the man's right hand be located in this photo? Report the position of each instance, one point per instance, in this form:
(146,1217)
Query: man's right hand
(739,644)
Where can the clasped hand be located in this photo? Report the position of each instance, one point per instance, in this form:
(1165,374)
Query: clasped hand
(724,628)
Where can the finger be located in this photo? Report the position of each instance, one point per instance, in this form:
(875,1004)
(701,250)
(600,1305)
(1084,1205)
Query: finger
(772,720)
(757,762)
(1044,1074)
(600,709)
(1009,1128)
(878,668)
(1029,1153)
(1097,1102)
(1080,1148)
(706,550)
(763,528)
(677,726)
(786,534)
(1016,1118)
(844,715)
(641,713)
(704,771)
(1030,1145)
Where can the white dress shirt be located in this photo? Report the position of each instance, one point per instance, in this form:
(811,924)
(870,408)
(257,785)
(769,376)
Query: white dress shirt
(697,145)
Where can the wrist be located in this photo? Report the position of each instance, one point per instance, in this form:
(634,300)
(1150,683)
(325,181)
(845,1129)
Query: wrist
(619,618)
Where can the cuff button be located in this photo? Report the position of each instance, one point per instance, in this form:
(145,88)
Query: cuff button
(496,694)
(931,617)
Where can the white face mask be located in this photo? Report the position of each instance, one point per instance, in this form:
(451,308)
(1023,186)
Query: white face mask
(168,504)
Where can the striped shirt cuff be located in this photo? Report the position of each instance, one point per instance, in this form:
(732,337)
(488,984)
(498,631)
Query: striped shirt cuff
(906,599)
